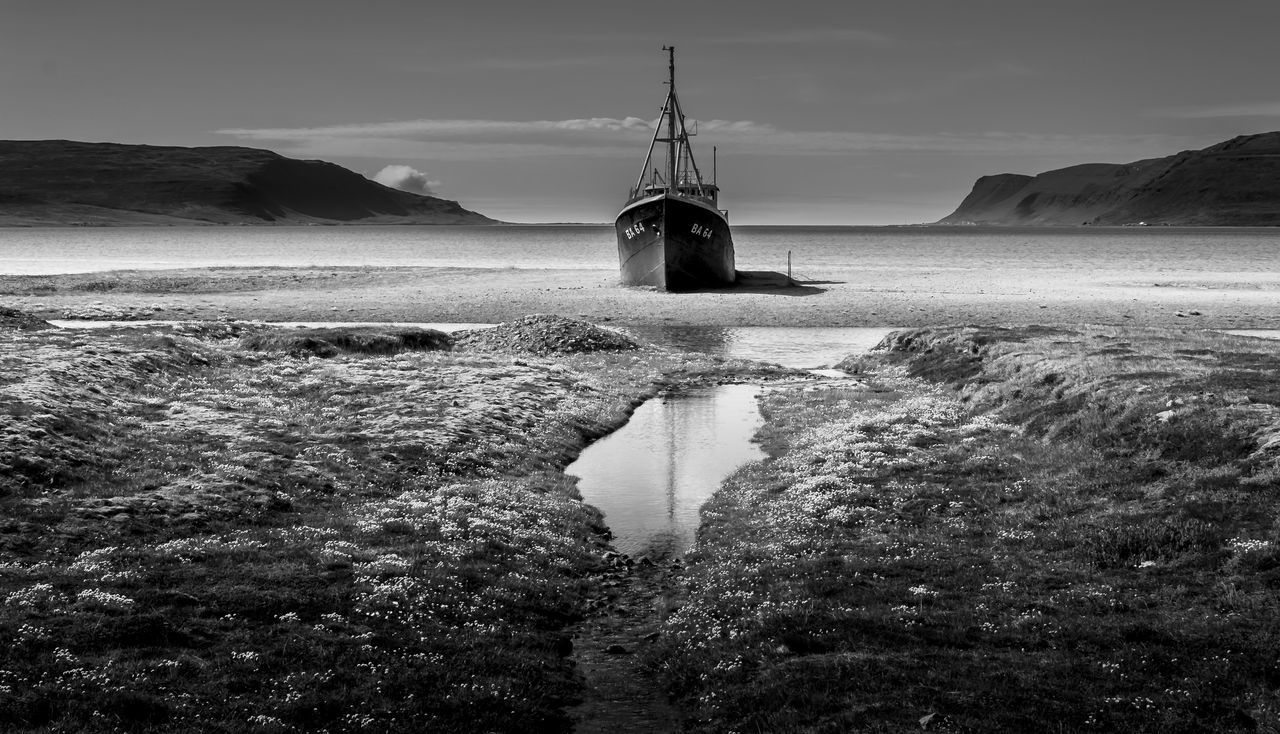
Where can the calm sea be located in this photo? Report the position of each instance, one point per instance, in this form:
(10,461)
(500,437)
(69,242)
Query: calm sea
(1238,255)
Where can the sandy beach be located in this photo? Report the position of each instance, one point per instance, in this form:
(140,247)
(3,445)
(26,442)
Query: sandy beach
(845,298)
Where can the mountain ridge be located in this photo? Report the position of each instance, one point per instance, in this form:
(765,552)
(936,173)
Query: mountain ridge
(66,182)
(1232,183)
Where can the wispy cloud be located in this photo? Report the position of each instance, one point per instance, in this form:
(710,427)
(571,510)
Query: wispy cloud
(611,136)
(1254,109)
(445,129)
(455,139)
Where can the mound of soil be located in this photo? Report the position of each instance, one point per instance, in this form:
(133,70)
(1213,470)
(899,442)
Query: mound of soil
(327,342)
(12,318)
(543,334)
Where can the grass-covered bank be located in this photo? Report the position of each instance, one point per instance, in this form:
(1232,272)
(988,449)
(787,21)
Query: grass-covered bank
(1010,530)
(204,528)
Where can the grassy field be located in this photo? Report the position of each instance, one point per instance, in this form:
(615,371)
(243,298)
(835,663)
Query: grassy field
(214,528)
(1002,530)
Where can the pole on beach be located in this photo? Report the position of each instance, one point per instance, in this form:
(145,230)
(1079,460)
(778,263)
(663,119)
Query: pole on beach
(788,265)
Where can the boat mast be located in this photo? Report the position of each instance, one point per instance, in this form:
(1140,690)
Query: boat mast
(679,153)
(672,145)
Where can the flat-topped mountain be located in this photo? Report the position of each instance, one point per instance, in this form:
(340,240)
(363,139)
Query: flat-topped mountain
(1235,183)
(57,182)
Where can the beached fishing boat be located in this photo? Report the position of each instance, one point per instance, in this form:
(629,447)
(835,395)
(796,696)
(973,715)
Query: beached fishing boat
(671,232)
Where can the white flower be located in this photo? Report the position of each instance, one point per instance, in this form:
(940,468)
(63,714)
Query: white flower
(99,599)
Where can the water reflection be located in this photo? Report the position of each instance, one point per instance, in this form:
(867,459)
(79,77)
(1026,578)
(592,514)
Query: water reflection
(1260,333)
(651,476)
(790,346)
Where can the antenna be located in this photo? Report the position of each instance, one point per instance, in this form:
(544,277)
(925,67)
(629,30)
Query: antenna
(672,145)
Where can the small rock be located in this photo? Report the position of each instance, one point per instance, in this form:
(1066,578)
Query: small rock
(616,649)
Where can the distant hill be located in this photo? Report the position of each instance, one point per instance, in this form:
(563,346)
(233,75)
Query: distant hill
(1236,183)
(61,182)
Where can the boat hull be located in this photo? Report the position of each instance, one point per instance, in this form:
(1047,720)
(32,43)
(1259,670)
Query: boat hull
(675,243)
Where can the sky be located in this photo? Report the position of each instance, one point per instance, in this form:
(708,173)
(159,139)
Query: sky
(859,113)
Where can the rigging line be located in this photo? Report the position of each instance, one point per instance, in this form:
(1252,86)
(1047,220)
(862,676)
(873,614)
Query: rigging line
(644,171)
